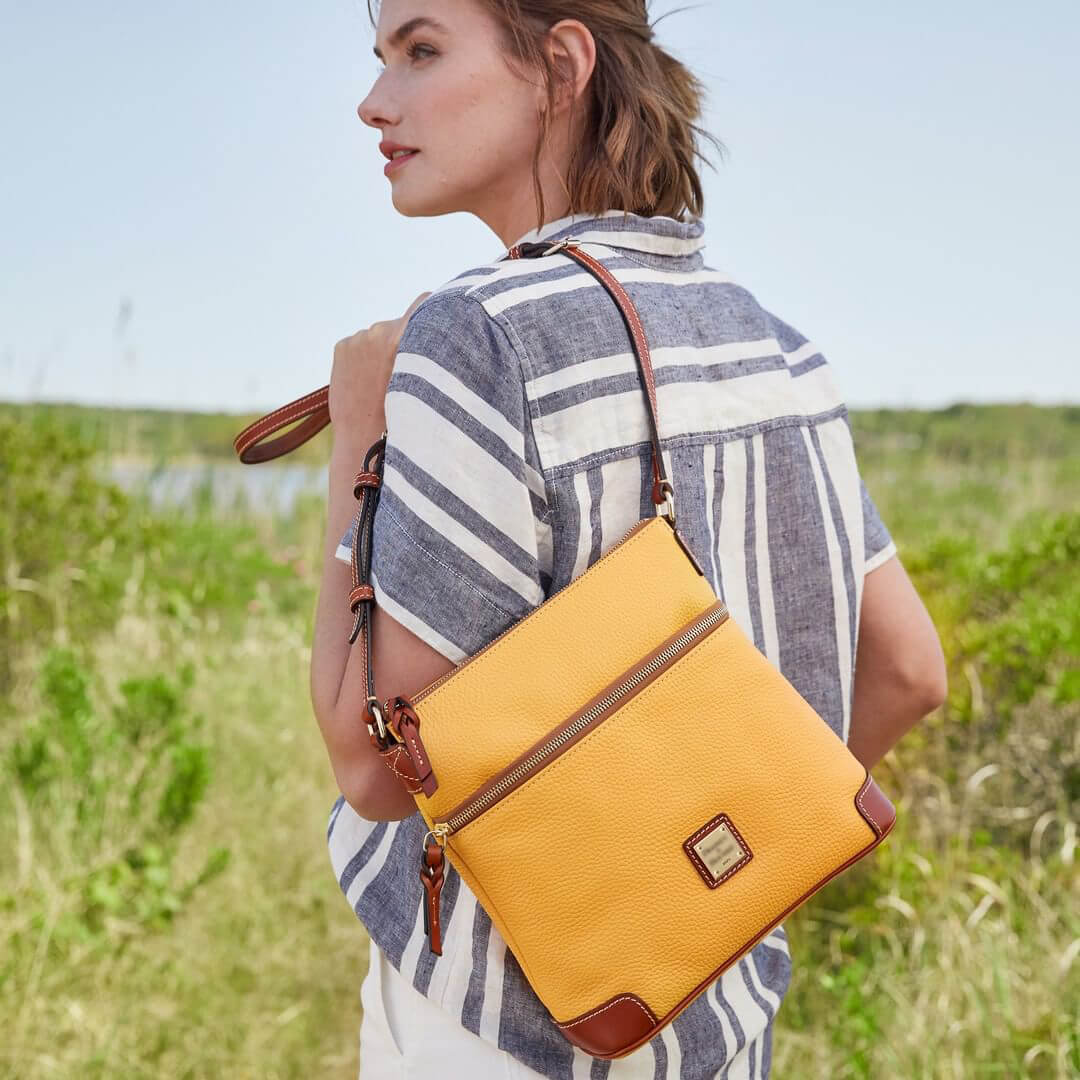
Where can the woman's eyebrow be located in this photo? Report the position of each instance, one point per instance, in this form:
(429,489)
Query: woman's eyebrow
(408,27)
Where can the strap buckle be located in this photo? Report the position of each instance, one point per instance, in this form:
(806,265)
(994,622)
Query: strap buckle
(569,242)
(376,710)
(667,507)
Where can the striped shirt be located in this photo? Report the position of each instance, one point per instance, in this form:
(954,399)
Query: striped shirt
(518,452)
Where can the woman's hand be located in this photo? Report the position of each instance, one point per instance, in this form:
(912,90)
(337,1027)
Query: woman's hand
(361,371)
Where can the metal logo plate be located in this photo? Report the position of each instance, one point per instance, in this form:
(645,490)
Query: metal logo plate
(717,850)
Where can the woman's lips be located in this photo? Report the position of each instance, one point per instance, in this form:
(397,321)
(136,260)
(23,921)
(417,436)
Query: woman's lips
(395,163)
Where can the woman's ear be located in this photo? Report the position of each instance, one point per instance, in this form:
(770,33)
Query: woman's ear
(571,51)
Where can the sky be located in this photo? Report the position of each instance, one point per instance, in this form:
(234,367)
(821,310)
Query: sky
(191,213)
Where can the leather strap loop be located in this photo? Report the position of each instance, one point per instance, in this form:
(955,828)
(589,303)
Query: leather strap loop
(364,479)
(361,592)
(313,409)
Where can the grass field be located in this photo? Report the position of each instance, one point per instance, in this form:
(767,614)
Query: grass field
(167,908)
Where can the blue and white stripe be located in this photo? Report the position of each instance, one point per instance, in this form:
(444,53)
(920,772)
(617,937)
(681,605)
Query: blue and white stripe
(517,454)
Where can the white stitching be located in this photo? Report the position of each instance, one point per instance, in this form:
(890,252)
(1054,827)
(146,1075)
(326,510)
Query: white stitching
(858,802)
(269,423)
(268,429)
(306,397)
(638,333)
(714,823)
(411,740)
(630,310)
(393,768)
(300,403)
(604,1008)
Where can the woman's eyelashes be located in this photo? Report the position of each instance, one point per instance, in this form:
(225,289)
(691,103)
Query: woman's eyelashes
(415,47)
(413,50)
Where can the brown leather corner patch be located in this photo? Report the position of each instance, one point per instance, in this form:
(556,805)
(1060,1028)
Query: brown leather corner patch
(611,1027)
(875,807)
(717,850)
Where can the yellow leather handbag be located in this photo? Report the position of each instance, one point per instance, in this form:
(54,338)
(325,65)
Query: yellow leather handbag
(633,792)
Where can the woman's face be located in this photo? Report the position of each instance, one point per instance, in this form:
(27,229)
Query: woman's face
(445,90)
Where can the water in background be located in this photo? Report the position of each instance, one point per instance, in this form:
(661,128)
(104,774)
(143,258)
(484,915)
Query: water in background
(226,485)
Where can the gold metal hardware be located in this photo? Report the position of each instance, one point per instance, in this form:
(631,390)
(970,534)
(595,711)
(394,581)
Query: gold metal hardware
(439,831)
(719,850)
(667,507)
(560,245)
(376,710)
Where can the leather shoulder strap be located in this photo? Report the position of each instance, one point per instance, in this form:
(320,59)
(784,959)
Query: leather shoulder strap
(313,410)
(661,485)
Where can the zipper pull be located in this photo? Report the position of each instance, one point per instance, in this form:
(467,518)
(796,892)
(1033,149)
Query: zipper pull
(431,875)
(408,727)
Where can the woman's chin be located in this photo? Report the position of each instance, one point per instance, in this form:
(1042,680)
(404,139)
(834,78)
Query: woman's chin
(418,201)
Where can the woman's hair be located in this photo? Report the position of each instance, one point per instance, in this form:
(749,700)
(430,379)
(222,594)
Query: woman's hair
(638,140)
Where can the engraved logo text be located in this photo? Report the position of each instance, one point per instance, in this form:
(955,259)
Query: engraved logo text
(717,850)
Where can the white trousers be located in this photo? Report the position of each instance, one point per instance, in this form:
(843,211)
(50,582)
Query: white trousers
(404,1034)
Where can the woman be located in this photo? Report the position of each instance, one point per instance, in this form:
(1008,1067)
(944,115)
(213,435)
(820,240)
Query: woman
(518,451)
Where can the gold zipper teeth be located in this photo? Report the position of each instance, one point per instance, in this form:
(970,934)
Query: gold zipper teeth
(462,817)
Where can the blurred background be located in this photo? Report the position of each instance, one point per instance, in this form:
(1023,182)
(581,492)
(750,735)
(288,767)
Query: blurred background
(192,215)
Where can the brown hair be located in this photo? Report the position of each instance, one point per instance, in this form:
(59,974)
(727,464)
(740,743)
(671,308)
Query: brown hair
(638,141)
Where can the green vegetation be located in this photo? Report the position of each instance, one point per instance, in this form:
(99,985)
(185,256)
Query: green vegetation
(166,903)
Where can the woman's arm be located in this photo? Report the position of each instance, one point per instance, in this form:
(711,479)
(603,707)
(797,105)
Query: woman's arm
(899,664)
(402,662)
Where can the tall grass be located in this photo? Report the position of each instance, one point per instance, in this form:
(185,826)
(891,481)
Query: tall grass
(166,903)
(954,951)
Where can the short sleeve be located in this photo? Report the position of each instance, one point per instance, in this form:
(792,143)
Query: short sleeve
(878,543)
(458,553)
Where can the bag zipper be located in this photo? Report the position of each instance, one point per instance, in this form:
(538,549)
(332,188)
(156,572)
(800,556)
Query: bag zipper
(402,709)
(536,759)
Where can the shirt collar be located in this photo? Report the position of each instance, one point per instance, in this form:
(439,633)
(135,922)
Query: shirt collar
(656,235)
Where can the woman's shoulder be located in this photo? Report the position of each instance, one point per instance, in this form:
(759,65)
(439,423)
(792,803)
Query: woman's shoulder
(707,328)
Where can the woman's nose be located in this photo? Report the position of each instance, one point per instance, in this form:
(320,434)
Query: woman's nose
(373,114)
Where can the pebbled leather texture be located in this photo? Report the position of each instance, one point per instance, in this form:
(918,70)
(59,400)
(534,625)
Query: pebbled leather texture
(537,674)
(583,867)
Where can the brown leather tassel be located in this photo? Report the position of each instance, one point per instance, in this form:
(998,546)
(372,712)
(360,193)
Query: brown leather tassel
(431,874)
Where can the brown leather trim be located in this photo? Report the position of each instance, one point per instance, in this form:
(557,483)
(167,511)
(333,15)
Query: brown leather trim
(637,333)
(596,721)
(622,1019)
(361,592)
(702,869)
(314,406)
(875,806)
(365,479)
(418,755)
(604,1035)
(689,554)
(397,760)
